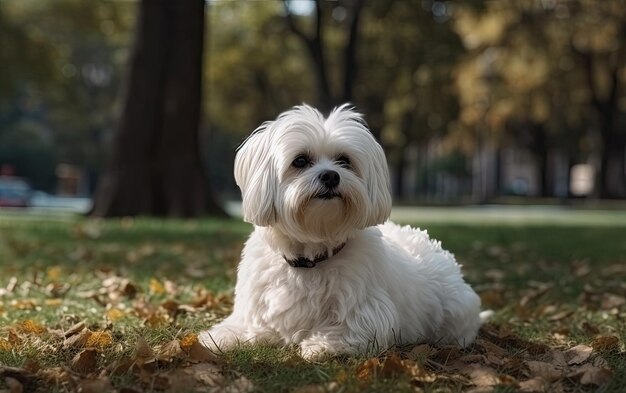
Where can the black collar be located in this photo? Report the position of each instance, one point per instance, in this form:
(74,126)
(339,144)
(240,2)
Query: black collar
(308,263)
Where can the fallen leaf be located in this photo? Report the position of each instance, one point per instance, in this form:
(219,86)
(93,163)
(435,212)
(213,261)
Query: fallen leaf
(99,339)
(547,371)
(5,345)
(76,328)
(536,384)
(610,301)
(578,354)
(156,288)
(30,327)
(188,341)
(86,361)
(420,352)
(143,352)
(208,374)
(170,351)
(328,387)
(54,273)
(605,343)
(367,369)
(589,328)
(115,314)
(98,385)
(482,376)
(199,353)
(77,340)
(591,375)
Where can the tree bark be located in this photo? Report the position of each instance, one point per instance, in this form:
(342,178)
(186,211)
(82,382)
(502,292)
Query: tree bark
(155,168)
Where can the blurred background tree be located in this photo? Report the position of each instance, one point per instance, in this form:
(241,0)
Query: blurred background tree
(472,101)
(155,167)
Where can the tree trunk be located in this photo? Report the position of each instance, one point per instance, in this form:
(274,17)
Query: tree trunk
(155,167)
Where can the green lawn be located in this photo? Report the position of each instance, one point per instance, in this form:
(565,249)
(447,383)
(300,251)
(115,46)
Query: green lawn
(145,287)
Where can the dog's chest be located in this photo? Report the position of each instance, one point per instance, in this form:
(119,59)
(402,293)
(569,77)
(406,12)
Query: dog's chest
(301,301)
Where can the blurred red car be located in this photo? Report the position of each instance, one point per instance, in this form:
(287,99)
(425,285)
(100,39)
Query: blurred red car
(14,192)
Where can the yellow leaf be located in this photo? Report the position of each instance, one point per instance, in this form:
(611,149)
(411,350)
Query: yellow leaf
(188,341)
(99,339)
(156,287)
(368,369)
(53,302)
(54,273)
(29,326)
(24,304)
(115,314)
(5,345)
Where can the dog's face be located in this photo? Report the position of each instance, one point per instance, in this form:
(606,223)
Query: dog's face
(314,178)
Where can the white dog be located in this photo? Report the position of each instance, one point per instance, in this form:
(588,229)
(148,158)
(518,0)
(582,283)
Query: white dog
(318,270)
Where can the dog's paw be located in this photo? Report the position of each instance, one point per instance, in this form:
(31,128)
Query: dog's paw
(218,340)
(314,352)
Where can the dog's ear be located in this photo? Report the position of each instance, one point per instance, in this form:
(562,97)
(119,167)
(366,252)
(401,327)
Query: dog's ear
(378,185)
(256,177)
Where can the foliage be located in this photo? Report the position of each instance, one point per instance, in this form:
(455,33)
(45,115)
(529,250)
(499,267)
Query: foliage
(102,304)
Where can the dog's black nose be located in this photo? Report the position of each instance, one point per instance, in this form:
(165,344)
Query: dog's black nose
(329,178)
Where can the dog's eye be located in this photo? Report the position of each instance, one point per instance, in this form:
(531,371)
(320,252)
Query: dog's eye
(301,161)
(343,161)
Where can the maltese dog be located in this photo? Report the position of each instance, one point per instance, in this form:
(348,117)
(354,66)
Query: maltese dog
(324,269)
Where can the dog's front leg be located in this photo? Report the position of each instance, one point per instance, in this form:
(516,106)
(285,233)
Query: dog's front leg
(325,343)
(233,332)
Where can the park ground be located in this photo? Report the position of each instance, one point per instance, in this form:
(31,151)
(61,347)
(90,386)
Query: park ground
(109,305)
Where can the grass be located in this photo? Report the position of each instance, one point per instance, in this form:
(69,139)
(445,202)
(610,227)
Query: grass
(548,284)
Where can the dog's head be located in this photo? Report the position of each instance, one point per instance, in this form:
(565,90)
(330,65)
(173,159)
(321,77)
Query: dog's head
(315,178)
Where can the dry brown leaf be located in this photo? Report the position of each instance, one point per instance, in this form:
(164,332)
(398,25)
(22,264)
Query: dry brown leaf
(492,298)
(610,301)
(547,371)
(591,375)
(578,354)
(490,347)
(420,352)
(605,343)
(208,374)
(86,361)
(77,340)
(55,376)
(328,387)
(143,352)
(14,385)
(199,353)
(482,376)
(244,385)
(97,385)
(590,329)
(74,329)
(170,351)
(534,294)
(536,384)
(121,366)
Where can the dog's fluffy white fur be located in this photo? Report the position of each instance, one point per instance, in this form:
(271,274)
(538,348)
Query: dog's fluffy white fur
(388,285)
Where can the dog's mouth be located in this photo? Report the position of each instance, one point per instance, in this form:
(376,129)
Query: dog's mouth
(328,194)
